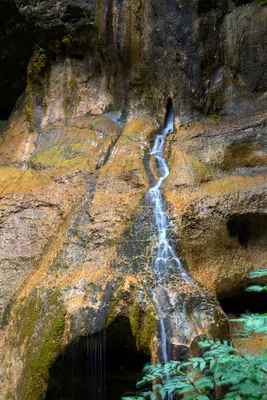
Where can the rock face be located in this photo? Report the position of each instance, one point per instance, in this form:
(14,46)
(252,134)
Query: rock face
(208,56)
(217,191)
(78,240)
(74,203)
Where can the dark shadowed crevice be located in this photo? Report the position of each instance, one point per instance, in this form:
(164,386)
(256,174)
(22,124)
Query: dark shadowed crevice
(206,5)
(169,105)
(16,50)
(251,302)
(242,2)
(169,110)
(249,229)
(100,367)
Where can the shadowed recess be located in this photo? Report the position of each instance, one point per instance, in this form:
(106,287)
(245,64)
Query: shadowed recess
(245,302)
(104,366)
(206,5)
(250,229)
(16,50)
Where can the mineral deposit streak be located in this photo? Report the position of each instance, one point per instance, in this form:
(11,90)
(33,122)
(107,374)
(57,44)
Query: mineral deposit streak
(166,258)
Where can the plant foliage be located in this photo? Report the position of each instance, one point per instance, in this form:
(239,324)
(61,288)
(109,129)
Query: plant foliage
(223,369)
(222,366)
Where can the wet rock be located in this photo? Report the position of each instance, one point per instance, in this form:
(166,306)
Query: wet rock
(207,210)
(81,186)
(78,238)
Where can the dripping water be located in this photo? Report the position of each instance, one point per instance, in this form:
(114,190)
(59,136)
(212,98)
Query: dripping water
(94,386)
(166,257)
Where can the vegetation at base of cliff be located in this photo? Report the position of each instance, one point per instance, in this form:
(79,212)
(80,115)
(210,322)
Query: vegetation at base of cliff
(222,368)
(143,325)
(41,324)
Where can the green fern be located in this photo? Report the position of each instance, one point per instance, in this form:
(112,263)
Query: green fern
(243,375)
(222,365)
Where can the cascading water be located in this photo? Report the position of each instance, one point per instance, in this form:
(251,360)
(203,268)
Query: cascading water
(166,259)
(165,253)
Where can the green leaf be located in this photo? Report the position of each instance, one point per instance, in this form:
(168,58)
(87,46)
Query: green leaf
(202,366)
(203,383)
(187,388)
(254,288)
(212,365)
(190,396)
(258,273)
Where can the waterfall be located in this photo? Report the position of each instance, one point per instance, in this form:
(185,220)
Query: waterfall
(165,253)
(166,257)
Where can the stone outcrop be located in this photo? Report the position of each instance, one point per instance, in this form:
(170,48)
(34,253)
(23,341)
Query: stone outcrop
(217,192)
(208,56)
(74,204)
(73,200)
(78,239)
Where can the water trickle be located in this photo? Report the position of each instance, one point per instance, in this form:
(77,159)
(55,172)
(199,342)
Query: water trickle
(166,259)
(103,366)
(93,387)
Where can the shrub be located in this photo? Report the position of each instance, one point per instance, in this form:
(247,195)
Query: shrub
(240,376)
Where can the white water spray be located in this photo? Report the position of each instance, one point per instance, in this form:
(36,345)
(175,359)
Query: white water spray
(166,256)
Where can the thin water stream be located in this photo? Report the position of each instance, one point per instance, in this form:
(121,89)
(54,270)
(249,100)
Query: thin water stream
(166,259)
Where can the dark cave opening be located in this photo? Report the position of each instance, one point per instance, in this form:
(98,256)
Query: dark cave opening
(246,301)
(249,229)
(6,109)
(104,366)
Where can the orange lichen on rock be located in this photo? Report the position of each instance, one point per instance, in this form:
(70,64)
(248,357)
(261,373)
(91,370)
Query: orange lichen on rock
(186,170)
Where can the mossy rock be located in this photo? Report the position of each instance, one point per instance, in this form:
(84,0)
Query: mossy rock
(112,312)
(34,89)
(143,325)
(4,319)
(41,324)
